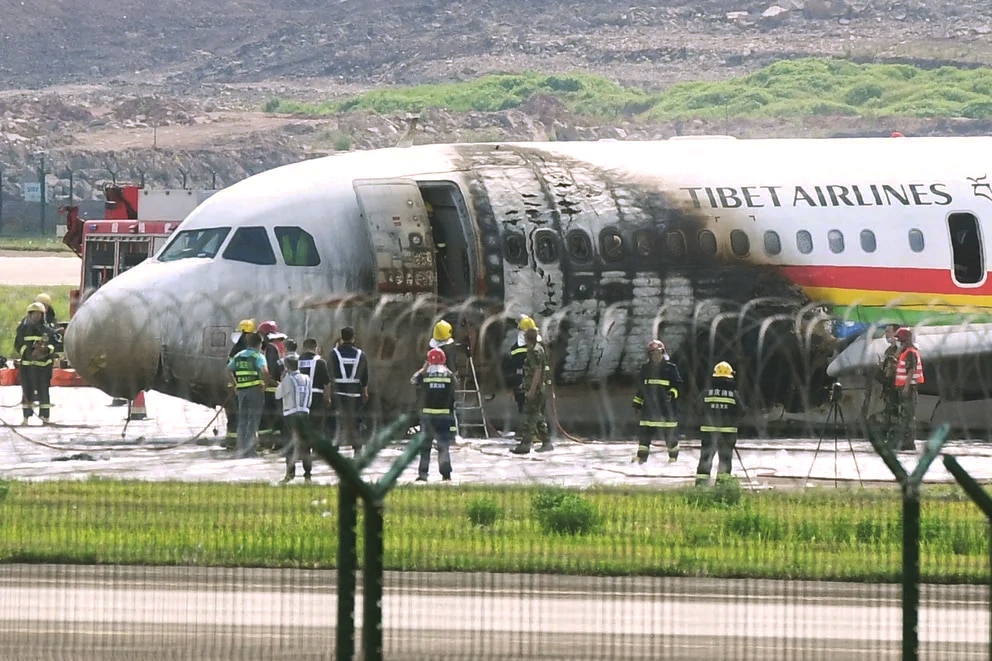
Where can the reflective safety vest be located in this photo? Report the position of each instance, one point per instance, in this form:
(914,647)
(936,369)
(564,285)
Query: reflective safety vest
(246,374)
(901,376)
(348,368)
(296,393)
(439,395)
(307,367)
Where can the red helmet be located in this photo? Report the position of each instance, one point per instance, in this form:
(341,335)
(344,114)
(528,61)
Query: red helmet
(904,335)
(656,345)
(267,327)
(436,357)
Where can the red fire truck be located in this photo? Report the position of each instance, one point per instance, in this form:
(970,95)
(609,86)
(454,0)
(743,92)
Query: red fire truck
(136,223)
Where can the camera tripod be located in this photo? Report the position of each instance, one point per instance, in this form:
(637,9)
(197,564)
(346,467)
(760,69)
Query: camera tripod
(835,416)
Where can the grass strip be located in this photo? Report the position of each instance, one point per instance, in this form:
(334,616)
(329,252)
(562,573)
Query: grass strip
(14,301)
(836,535)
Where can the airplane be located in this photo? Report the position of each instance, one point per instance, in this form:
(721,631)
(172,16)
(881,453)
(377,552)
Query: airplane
(783,256)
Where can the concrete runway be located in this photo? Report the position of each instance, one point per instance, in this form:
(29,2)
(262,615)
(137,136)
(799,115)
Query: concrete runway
(66,612)
(177,442)
(45,269)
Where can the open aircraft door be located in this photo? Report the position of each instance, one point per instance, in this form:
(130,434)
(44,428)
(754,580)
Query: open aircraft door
(401,235)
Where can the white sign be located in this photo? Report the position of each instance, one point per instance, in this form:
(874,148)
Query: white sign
(32,191)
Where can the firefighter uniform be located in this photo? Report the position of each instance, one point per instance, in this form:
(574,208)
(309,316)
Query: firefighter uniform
(315,367)
(513,362)
(350,374)
(721,410)
(34,343)
(536,383)
(442,339)
(658,388)
(909,374)
(437,416)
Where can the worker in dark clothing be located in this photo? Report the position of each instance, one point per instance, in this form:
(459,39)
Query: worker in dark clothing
(315,368)
(437,415)
(909,374)
(238,338)
(350,372)
(659,386)
(513,362)
(442,339)
(721,410)
(34,343)
(271,428)
(537,382)
(50,318)
(886,376)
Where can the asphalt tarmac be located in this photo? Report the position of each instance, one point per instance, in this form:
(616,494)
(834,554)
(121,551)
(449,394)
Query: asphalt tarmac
(67,612)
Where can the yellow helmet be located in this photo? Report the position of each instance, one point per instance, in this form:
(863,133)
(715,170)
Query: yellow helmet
(723,369)
(44,299)
(36,307)
(246,326)
(442,331)
(526,323)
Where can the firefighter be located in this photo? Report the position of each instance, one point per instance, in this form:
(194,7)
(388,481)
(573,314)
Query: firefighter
(513,362)
(441,338)
(659,386)
(437,416)
(249,376)
(908,375)
(238,338)
(537,381)
(315,367)
(46,300)
(34,343)
(350,372)
(721,409)
(271,426)
(886,376)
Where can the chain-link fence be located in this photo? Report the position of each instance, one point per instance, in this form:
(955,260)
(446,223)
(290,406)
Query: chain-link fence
(133,531)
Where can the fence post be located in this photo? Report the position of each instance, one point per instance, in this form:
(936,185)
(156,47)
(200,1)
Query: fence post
(347,567)
(984,502)
(910,483)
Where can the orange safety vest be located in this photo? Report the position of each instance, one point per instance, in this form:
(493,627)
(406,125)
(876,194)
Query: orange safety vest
(901,368)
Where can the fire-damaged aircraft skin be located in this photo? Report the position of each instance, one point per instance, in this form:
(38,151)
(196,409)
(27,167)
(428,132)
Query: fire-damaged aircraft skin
(739,250)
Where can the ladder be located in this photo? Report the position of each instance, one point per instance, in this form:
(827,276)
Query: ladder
(470,414)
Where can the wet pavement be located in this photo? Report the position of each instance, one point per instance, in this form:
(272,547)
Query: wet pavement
(178,442)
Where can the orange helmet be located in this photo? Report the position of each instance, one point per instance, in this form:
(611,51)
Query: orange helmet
(267,327)
(436,357)
(904,334)
(656,345)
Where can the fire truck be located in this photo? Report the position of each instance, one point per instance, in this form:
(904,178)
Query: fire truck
(137,222)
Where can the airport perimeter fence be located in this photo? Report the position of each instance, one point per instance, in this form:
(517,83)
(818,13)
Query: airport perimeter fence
(145,537)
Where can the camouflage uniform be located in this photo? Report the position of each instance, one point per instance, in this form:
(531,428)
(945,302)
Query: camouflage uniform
(535,423)
(890,394)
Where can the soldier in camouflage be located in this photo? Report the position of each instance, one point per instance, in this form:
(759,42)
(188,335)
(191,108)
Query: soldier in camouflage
(537,382)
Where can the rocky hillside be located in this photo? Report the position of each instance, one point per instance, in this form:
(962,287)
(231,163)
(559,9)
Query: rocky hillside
(174,89)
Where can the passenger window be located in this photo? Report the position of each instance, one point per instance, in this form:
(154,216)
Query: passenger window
(611,244)
(773,244)
(804,242)
(835,239)
(644,243)
(546,246)
(868,241)
(675,243)
(916,240)
(579,246)
(251,245)
(516,249)
(194,243)
(707,242)
(740,243)
(297,247)
(969,263)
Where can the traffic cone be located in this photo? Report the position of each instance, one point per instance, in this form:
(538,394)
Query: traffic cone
(136,407)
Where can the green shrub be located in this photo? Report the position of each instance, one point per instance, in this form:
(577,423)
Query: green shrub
(561,512)
(272,105)
(546,499)
(484,511)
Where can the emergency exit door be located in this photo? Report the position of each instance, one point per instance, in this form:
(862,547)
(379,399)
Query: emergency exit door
(401,235)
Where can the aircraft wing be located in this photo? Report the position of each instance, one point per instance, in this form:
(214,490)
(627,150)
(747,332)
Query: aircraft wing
(936,344)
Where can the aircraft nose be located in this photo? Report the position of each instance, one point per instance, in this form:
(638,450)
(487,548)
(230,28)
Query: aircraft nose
(113,341)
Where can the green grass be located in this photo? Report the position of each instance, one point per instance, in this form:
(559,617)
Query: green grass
(787,89)
(839,535)
(33,243)
(14,300)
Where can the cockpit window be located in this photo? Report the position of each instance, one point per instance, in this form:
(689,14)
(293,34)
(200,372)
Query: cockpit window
(194,243)
(250,244)
(297,247)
